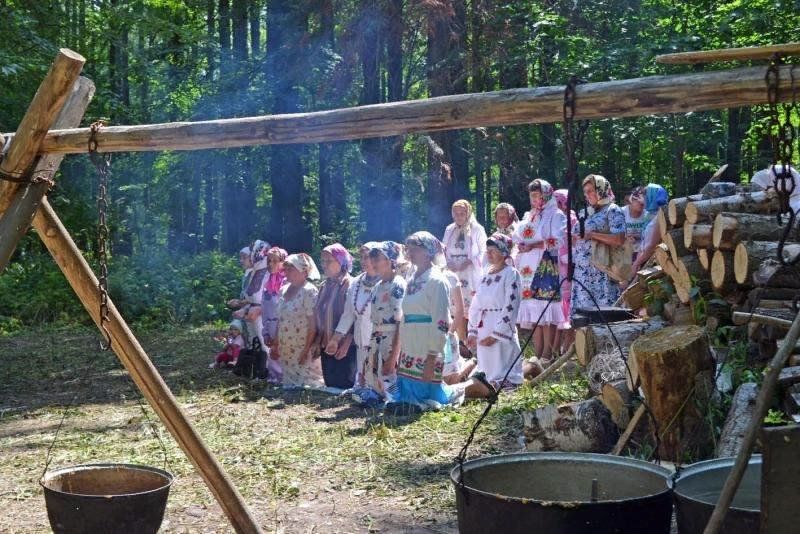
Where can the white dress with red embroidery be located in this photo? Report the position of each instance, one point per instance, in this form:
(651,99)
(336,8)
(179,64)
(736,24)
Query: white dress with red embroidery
(494,313)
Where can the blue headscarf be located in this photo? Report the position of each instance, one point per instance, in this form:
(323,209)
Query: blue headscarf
(655,197)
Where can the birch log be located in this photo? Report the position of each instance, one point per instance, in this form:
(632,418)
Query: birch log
(696,236)
(731,228)
(749,256)
(757,202)
(676,209)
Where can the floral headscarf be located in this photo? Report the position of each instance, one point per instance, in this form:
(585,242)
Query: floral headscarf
(547,195)
(391,250)
(501,242)
(341,255)
(427,241)
(278,278)
(605,195)
(561,196)
(258,254)
(303,262)
(370,245)
(655,197)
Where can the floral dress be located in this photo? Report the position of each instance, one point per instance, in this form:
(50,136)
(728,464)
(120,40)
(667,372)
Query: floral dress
(294,318)
(597,284)
(386,313)
(423,332)
(494,313)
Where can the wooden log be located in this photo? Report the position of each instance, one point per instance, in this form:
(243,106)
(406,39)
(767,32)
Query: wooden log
(756,202)
(788,377)
(772,273)
(676,209)
(728,54)
(791,399)
(749,256)
(689,269)
(722,270)
(696,236)
(617,398)
(769,318)
(42,112)
(555,366)
(674,241)
(792,350)
(763,403)
(737,421)
(589,340)
(622,98)
(83,281)
(731,228)
(661,255)
(704,258)
(634,295)
(668,361)
(576,427)
(662,221)
(16,220)
(786,294)
(623,439)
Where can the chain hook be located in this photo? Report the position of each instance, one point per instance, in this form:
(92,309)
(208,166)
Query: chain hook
(102,165)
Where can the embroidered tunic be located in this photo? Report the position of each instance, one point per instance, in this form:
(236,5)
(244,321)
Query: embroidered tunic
(494,313)
(466,243)
(356,315)
(294,318)
(386,313)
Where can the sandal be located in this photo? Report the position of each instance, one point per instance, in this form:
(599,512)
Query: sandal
(480,376)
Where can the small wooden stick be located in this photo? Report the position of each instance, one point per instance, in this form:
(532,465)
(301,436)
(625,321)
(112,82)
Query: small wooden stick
(728,54)
(553,367)
(741,318)
(623,439)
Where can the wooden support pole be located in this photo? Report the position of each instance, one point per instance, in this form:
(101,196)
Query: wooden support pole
(763,403)
(43,110)
(622,98)
(14,222)
(142,371)
(623,439)
(728,54)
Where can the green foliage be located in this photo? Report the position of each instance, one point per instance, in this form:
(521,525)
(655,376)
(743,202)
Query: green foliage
(776,418)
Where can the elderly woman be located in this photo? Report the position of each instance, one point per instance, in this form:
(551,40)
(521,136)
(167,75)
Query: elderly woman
(250,311)
(654,197)
(505,218)
(339,367)
(355,320)
(605,224)
(294,341)
(269,305)
(465,246)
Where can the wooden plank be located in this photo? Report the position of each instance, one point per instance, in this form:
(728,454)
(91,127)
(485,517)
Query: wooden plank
(142,371)
(622,98)
(43,110)
(623,439)
(14,222)
(780,473)
(728,54)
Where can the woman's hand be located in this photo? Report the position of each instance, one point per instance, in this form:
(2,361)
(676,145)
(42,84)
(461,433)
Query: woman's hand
(428,371)
(333,345)
(342,351)
(472,341)
(274,350)
(488,341)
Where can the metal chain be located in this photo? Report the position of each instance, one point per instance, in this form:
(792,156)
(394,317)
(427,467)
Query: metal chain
(782,135)
(573,151)
(102,163)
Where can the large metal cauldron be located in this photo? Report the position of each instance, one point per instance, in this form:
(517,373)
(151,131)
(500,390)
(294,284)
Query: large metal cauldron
(106,498)
(697,491)
(551,492)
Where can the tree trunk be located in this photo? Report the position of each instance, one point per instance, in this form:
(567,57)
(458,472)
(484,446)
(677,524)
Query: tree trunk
(589,340)
(224,37)
(689,267)
(675,369)
(576,427)
(706,210)
(731,228)
(663,223)
(676,209)
(705,258)
(722,270)
(696,236)
(737,421)
(674,241)
(750,255)
(772,274)
(254,16)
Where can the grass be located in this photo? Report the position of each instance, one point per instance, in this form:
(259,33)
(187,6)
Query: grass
(300,459)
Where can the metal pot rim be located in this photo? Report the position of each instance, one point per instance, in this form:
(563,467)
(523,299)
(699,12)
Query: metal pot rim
(49,475)
(559,457)
(706,466)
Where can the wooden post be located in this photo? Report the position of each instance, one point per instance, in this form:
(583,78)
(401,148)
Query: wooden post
(763,403)
(144,374)
(621,98)
(14,222)
(43,110)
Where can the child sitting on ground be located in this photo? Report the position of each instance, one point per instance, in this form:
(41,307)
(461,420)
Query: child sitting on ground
(234,343)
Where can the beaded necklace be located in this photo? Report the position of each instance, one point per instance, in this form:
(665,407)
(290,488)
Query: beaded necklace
(362,281)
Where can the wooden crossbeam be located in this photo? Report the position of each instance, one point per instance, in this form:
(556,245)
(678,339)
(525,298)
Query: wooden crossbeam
(623,98)
(729,54)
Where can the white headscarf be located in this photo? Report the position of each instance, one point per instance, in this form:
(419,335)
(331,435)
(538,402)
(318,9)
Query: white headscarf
(303,262)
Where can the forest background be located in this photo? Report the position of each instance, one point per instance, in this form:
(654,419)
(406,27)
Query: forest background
(178,218)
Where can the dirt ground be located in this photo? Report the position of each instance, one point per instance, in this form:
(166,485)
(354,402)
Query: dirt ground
(304,461)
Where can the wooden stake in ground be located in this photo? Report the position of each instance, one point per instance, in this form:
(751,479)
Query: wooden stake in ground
(668,363)
(623,439)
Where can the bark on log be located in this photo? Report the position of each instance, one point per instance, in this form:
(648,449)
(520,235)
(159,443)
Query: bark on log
(757,202)
(731,228)
(661,255)
(42,111)
(617,398)
(668,362)
(722,270)
(704,258)
(676,209)
(718,189)
(786,294)
(576,427)
(623,98)
(749,255)
(788,377)
(689,267)
(634,295)
(696,236)
(662,221)
(772,274)
(592,339)
(674,241)
(728,54)
(737,421)
(777,318)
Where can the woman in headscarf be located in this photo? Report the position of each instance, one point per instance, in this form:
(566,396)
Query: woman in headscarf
(250,312)
(269,306)
(565,333)
(386,313)
(655,197)
(465,246)
(294,343)
(538,238)
(339,367)
(493,317)
(355,322)
(604,224)
(505,218)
